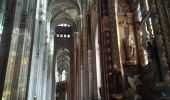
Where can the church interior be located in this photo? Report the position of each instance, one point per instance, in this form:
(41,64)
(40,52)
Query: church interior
(85,49)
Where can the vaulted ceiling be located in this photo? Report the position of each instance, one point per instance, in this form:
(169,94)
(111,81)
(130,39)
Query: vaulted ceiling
(64,11)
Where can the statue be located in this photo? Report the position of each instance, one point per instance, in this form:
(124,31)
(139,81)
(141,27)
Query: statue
(116,74)
(135,84)
(151,49)
(116,83)
(130,48)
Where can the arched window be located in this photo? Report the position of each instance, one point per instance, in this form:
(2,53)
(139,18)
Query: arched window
(63,30)
(64,25)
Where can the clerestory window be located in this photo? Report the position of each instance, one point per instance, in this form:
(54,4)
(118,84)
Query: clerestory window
(63,30)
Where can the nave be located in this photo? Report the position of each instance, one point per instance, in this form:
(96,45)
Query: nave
(85,49)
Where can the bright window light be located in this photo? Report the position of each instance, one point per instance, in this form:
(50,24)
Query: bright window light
(61,35)
(58,35)
(64,25)
(65,35)
(68,36)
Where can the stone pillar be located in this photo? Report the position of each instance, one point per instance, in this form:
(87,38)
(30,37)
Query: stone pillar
(8,58)
(85,71)
(162,32)
(37,67)
(22,45)
(2,20)
(50,91)
(91,58)
(161,29)
(90,74)
(77,66)
(110,52)
(2,12)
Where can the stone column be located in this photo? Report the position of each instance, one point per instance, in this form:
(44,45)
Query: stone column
(85,71)
(2,20)
(91,60)
(110,52)
(11,48)
(77,66)
(162,32)
(2,12)
(37,68)
(161,29)
(90,65)
(50,91)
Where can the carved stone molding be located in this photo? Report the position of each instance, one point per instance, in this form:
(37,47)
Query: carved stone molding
(105,23)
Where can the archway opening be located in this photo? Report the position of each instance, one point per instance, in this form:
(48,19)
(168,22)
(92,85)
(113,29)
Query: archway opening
(62,69)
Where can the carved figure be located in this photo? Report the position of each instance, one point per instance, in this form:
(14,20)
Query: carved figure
(135,84)
(116,75)
(130,47)
(151,49)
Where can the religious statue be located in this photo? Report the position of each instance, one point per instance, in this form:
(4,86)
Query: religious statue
(129,48)
(116,75)
(135,84)
(151,49)
(134,81)
(116,84)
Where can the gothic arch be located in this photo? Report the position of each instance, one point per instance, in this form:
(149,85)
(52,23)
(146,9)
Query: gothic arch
(67,9)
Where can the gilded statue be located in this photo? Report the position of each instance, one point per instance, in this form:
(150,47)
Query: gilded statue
(129,47)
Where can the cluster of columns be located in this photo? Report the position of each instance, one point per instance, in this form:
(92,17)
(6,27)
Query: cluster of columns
(26,52)
(27,48)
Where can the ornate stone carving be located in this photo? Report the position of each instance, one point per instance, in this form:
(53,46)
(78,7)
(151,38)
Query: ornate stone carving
(123,7)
